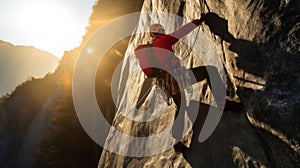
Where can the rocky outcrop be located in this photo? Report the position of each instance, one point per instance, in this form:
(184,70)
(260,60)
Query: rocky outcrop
(27,103)
(258,46)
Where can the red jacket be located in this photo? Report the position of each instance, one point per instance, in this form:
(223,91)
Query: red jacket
(162,49)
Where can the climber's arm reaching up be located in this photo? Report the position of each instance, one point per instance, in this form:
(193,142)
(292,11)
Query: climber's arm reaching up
(183,31)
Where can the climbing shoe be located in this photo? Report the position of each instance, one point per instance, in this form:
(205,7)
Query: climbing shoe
(179,147)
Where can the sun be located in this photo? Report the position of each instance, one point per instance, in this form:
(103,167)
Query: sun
(50,26)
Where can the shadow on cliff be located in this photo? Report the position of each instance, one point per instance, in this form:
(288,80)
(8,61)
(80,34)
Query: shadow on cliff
(235,141)
(227,144)
(250,57)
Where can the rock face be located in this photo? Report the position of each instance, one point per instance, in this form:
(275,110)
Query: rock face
(257,43)
(254,45)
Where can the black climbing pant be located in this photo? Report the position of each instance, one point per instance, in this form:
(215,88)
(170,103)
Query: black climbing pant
(211,74)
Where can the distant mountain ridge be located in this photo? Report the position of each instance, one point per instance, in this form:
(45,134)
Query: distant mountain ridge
(17,63)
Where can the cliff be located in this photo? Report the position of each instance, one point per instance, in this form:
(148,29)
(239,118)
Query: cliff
(254,45)
(258,46)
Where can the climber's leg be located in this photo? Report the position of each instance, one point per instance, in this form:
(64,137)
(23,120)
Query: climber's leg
(178,125)
(211,74)
(177,101)
(145,90)
(218,88)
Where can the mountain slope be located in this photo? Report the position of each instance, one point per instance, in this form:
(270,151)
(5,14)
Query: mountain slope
(17,63)
(38,123)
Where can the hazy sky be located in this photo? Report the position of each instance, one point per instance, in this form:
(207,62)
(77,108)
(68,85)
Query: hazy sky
(50,25)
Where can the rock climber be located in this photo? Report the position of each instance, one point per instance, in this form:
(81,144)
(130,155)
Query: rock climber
(157,59)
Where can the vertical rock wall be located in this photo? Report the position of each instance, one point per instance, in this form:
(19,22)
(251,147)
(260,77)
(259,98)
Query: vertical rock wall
(257,43)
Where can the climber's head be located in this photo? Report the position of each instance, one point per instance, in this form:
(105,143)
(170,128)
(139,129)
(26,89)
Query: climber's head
(157,30)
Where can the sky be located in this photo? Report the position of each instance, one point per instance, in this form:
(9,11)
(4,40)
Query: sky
(50,25)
